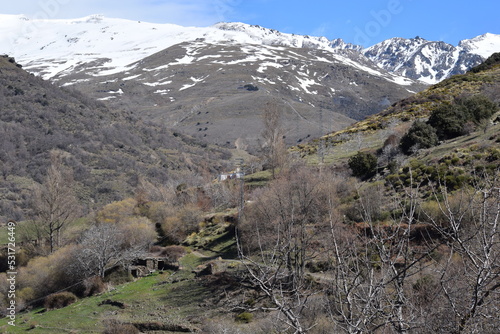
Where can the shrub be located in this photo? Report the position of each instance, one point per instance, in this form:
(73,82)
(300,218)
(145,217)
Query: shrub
(448,120)
(459,118)
(177,228)
(59,300)
(93,285)
(363,164)
(478,107)
(251,87)
(245,317)
(173,253)
(421,135)
(116,327)
(46,275)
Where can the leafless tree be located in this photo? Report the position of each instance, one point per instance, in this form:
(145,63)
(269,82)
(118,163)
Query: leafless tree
(100,249)
(372,268)
(54,202)
(273,133)
(280,229)
(469,276)
(106,245)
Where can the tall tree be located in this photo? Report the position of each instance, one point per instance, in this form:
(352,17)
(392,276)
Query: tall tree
(54,202)
(274,145)
(279,231)
(469,277)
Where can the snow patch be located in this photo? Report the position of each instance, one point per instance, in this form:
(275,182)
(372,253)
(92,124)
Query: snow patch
(107,98)
(162,91)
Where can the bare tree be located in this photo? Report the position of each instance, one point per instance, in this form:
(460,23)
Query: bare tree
(469,276)
(106,245)
(54,202)
(372,268)
(274,146)
(280,230)
(100,249)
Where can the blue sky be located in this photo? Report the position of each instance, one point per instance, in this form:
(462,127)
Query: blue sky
(363,22)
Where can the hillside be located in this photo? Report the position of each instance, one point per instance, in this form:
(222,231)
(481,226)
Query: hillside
(371,133)
(409,244)
(212,83)
(108,151)
(217,92)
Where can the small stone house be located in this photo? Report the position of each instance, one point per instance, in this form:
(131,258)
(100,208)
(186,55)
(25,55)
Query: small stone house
(145,266)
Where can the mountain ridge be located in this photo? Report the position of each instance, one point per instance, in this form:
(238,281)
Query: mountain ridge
(431,61)
(174,75)
(27,41)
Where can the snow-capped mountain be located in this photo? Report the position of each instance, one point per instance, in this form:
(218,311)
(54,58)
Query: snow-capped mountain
(210,82)
(54,48)
(213,82)
(429,61)
(484,45)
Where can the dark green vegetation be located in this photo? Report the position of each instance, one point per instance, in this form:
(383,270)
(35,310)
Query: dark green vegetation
(363,164)
(421,135)
(352,233)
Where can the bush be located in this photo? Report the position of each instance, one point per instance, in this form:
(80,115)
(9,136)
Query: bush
(251,87)
(116,327)
(421,135)
(363,164)
(448,120)
(459,118)
(93,286)
(245,317)
(478,107)
(59,300)
(173,253)
(177,228)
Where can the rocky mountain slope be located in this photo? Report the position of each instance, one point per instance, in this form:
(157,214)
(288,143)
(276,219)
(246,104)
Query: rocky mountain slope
(209,82)
(214,82)
(383,130)
(217,92)
(430,61)
(108,151)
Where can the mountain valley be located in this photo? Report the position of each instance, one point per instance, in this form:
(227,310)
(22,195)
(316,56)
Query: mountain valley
(235,179)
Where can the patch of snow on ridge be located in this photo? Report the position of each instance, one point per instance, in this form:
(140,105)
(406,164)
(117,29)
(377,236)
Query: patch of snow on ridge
(305,83)
(195,81)
(131,77)
(263,66)
(107,98)
(162,91)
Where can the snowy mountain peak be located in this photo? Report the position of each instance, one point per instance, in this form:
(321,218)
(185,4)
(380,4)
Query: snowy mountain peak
(267,36)
(484,45)
(431,61)
(54,48)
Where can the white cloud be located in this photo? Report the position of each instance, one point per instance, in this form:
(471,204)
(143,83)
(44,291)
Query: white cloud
(183,12)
